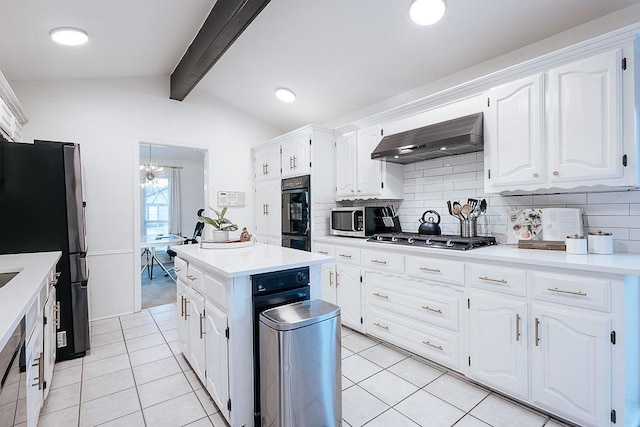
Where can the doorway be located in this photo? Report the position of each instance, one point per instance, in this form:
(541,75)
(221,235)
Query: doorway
(172,190)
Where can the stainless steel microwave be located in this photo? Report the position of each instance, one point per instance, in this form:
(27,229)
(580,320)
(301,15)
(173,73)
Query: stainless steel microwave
(363,221)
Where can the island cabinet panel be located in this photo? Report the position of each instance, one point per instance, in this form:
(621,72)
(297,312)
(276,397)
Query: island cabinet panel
(348,295)
(196,333)
(571,371)
(183,320)
(217,373)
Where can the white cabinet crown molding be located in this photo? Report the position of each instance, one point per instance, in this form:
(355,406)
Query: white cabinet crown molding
(10,98)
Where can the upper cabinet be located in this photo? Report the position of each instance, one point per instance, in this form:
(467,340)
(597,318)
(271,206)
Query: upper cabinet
(266,162)
(569,128)
(11,114)
(296,155)
(360,177)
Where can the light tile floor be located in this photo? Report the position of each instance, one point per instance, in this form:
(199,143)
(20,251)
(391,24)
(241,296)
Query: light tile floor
(135,375)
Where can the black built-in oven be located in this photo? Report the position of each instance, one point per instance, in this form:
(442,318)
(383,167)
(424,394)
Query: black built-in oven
(296,213)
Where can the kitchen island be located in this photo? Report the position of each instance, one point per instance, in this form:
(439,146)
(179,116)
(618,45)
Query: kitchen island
(215,327)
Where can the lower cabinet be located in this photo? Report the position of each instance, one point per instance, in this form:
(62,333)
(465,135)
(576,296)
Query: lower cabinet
(348,295)
(34,358)
(51,323)
(195,319)
(217,383)
(498,342)
(571,364)
(183,321)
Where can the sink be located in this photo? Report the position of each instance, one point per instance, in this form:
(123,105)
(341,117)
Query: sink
(6,277)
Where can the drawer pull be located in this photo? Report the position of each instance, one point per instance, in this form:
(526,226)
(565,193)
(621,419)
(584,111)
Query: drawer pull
(331,278)
(177,269)
(323,252)
(431,270)
(381,296)
(192,278)
(345,256)
(186,310)
(435,310)
(517,327)
(437,347)
(489,279)
(375,261)
(537,328)
(337,276)
(56,308)
(386,328)
(181,305)
(562,291)
(202,332)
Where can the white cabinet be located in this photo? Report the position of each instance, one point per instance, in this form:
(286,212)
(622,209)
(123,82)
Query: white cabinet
(571,357)
(51,324)
(514,151)
(268,211)
(12,116)
(360,177)
(498,342)
(348,295)
(34,358)
(571,127)
(328,292)
(217,361)
(296,155)
(195,318)
(266,163)
(183,321)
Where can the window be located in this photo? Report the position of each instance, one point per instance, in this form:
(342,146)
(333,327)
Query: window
(155,207)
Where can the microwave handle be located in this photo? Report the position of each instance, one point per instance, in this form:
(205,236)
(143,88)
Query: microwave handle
(354,220)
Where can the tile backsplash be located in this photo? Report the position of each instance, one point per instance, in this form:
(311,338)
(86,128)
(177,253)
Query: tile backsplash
(429,184)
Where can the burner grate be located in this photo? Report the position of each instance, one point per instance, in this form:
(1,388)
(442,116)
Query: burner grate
(442,241)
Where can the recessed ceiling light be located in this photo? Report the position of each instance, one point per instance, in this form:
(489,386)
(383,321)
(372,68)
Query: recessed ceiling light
(443,148)
(285,95)
(69,36)
(427,12)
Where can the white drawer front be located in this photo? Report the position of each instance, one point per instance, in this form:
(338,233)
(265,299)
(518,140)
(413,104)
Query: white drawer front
(576,291)
(439,310)
(216,291)
(324,249)
(347,255)
(195,277)
(498,279)
(435,269)
(434,344)
(180,267)
(384,261)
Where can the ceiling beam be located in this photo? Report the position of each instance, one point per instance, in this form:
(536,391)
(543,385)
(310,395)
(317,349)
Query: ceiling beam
(226,21)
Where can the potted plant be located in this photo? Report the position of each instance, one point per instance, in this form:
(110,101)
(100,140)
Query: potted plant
(221,224)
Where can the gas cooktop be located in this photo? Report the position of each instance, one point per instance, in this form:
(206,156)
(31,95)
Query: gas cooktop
(430,241)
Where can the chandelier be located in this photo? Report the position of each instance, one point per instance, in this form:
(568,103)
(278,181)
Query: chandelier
(149,171)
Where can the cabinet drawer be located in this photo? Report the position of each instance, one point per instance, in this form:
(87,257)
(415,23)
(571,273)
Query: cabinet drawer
(180,267)
(437,345)
(33,316)
(324,249)
(347,255)
(435,269)
(383,261)
(498,279)
(436,309)
(576,291)
(195,277)
(216,291)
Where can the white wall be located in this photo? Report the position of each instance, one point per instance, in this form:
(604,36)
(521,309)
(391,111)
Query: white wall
(109,118)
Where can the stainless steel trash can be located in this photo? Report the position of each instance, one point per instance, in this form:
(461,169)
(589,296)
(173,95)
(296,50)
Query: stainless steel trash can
(300,365)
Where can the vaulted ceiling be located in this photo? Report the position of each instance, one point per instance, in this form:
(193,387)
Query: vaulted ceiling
(337,55)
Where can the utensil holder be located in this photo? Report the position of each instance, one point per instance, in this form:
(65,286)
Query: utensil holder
(468,228)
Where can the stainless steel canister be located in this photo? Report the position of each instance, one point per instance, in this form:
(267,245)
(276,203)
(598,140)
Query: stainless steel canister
(600,243)
(468,227)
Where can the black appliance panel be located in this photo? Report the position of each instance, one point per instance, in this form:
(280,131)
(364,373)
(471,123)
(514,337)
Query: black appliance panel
(296,210)
(302,243)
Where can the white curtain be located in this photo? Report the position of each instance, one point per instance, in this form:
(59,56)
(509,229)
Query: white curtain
(174,203)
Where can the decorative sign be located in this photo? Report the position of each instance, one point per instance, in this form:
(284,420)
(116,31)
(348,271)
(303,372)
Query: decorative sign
(230,198)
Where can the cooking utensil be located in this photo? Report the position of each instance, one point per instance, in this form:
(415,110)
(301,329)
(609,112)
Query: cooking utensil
(465,211)
(449,207)
(472,202)
(483,205)
(456,210)
(430,225)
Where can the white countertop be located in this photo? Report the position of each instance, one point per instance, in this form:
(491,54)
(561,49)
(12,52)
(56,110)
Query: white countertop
(255,259)
(618,263)
(17,295)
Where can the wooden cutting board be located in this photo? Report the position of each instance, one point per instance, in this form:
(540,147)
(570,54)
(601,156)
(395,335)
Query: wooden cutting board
(550,245)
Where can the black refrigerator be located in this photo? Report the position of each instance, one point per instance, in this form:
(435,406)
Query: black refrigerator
(42,209)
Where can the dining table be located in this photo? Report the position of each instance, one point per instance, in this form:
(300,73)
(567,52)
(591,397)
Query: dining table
(149,245)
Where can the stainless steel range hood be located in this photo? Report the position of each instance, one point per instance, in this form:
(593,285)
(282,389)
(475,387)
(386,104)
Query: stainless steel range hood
(457,136)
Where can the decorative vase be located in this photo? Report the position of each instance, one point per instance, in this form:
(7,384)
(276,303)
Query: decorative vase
(220,236)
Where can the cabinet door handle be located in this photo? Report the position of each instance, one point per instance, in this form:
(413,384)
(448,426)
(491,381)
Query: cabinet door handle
(266,209)
(488,279)
(375,261)
(381,296)
(266,168)
(331,278)
(535,175)
(192,278)
(537,328)
(381,326)
(202,332)
(562,291)
(40,378)
(182,306)
(345,256)
(58,311)
(435,310)
(323,252)
(517,327)
(186,310)
(432,270)
(437,347)
(294,162)
(556,173)
(177,269)
(337,282)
